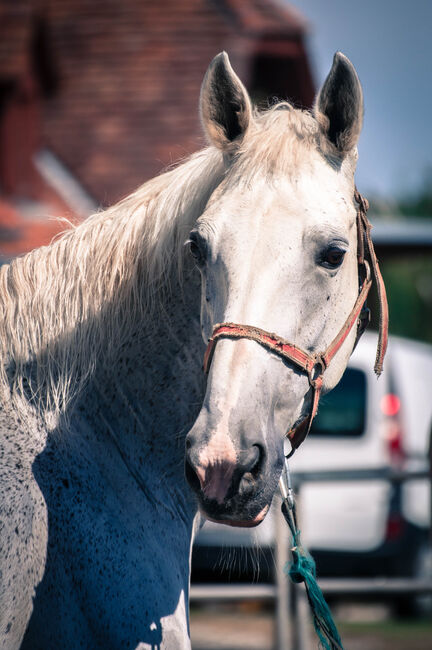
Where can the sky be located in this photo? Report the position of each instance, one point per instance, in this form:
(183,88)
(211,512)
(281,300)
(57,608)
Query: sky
(390,44)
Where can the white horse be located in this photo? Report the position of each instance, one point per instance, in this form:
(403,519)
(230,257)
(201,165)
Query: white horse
(101,375)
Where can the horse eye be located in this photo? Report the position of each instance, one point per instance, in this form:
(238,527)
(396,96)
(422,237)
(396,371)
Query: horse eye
(196,249)
(333,257)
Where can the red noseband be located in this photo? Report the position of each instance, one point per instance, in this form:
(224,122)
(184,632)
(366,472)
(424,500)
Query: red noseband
(314,365)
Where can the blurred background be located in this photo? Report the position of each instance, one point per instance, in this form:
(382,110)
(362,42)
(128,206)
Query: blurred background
(97,97)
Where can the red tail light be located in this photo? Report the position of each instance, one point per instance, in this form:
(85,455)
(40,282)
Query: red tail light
(390,404)
(390,407)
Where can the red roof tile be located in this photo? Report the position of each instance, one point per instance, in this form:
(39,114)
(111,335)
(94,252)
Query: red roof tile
(130,72)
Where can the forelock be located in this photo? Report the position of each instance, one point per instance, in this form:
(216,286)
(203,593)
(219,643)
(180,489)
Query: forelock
(281,141)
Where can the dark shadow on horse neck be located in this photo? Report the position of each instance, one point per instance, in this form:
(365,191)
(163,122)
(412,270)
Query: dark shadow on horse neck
(120,514)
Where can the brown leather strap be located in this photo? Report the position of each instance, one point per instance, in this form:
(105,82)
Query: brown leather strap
(365,227)
(300,432)
(350,321)
(271,341)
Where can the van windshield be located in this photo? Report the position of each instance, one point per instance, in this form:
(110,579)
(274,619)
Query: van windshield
(342,412)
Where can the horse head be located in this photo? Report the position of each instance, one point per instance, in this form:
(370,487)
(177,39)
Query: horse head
(276,247)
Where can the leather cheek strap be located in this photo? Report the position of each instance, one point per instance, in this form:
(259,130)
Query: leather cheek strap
(299,433)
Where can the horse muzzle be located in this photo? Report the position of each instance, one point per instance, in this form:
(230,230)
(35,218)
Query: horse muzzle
(231,483)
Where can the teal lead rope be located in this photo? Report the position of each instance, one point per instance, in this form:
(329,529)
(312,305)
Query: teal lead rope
(302,569)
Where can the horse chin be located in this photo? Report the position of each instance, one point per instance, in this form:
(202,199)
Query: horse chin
(228,520)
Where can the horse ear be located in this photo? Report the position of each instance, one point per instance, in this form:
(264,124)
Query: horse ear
(225,106)
(339,106)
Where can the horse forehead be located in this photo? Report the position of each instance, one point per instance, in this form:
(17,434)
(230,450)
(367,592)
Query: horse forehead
(313,187)
(284,210)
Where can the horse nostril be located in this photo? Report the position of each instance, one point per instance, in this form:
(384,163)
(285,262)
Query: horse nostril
(250,469)
(259,461)
(251,461)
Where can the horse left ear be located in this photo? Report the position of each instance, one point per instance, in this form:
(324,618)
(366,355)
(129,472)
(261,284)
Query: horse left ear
(225,106)
(339,106)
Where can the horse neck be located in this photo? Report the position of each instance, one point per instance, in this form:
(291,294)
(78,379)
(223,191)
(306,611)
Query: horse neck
(71,304)
(143,402)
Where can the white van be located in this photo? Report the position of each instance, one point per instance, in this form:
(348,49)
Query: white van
(354,528)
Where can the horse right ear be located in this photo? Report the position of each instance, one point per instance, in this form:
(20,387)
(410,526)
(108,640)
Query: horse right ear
(339,106)
(225,106)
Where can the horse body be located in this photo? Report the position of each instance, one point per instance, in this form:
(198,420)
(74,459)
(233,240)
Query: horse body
(120,514)
(97,516)
(101,380)
(114,510)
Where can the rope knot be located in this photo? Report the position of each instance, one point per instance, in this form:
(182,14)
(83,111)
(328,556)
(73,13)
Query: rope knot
(302,569)
(302,565)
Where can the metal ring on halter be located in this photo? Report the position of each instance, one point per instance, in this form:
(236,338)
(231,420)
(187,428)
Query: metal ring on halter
(317,370)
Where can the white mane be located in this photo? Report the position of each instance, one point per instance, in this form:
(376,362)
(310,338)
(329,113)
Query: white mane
(75,301)
(66,304)
(280,141)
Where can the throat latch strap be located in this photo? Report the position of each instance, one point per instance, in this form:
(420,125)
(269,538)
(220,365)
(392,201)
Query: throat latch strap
(366,249)
(314,365)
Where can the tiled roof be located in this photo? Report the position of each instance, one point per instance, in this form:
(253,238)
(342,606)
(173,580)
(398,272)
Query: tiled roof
(129,75)
(130,79)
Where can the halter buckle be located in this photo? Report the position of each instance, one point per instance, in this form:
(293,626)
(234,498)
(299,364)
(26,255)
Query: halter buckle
(317,370)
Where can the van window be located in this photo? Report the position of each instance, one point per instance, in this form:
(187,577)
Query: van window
(342,412)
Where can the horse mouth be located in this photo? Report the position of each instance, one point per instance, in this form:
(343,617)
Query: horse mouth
(239,523)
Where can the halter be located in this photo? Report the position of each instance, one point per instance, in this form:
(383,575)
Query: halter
(314,365)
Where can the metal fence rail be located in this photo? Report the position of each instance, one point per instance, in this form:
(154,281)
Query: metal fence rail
(232,593)
(330,587)
(375,586)
(375,473)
